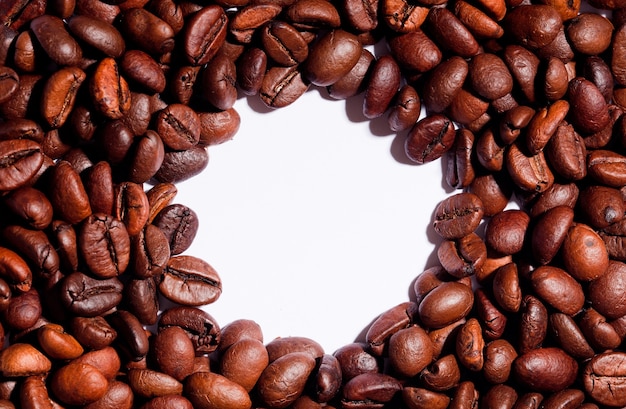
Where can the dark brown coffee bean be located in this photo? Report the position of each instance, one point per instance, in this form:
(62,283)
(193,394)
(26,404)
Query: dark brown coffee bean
(179,223)
(500,396)
(353,82)
(477,21)
(444,374)
(558,289)
(251,67)
(168,402)
(533,324)
(89,297)
(489,76)
(98,33)
(618,51)
(450,33)
(282,86)
(174,352)
(131,206)
(545,369)
(149,383)
(181,165)
(401,48)
(382,85)
(405,110)
(499,357)
(544,124)
(388,323)
(190,281)
(534,26)
(420,398)
(21,160)
(549,233)
(218,127)
(590,33)
(150,252)
(199,325)
(245,23)
(311,15)
(31,206)
(150,33)
(58,44)
(566,153)
(35,247)
(147,157)
(141,299)
(218,83)
(9,83)
(143,70)
(589,110)
(283,43)
(24,310)
(606,167)
(569,336)
(204,34)
(104,244)
(94,333)
(523,65)
(557,195)
(355,359)
(67,193)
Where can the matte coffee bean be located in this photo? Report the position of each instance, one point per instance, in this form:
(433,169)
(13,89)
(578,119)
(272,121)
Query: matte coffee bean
(149,383)
(590,33)
(601,376)
(140,68)
(286,345)
(444,374)
(310,15)
(549,233)
(420,398)
(174,352)
(544,124)
(450,33)
(500,396)
(361,16)
(94,333)
(477,21)
(534,26)
(401,17)
(402,48)
(218,127)
(168,402)
(470,345)
(388,323)
(20,359)
(499,356)
(251,67)
(24,310)
(489,76)
(355,359)
(569,336)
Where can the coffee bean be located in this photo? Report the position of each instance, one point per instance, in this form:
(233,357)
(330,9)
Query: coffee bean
(191,281)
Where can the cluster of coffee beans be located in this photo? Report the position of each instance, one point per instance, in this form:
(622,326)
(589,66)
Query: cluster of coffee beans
(99,99)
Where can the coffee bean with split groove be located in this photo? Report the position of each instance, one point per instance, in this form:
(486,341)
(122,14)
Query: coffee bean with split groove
(89,297)
(190,281)
(430,138)
(179,223)
(332,57)
(458,215)
(104,244)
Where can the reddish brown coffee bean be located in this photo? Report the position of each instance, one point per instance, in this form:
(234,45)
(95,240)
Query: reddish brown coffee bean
(461,258)
(604,292)
(332,57)
(109,90)
(174,352)
(420,398)
(458,215)
(190,281)
(398,15)
(19,359)
(470,345)
(460,172)
(589,111)
(282,86)
(584,253)
(557,288)
(283,43)
(590,33)
(601,378)
(529,172)
(489,76)
(430,138)
(68,196)
(178,126)
(310,15)
(534,25)
(148,383)
(402,49)
(382,85)
(569,336)
(444,374)
(244,361)
(523,65)
(139,67)
(21,160)
(499,357)
(549,233)
(410,342)
(286,345)
(446,304)
(78,384)
(544,124)
(566,153)
(251,67)
(246,21)
(506,231)
(218,127)
(284,380)
(533,325)
(94,333)
(606,166)
(618,51)
(545,369)
(182,165)
(57,43)
(218,83)
(353,82)
(450,33)
(98,33)
(147,31)
(443,83)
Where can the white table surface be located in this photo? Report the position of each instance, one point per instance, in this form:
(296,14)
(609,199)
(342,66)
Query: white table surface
(314,219)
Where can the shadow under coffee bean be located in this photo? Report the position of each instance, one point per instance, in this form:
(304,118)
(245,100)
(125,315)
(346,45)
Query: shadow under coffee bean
(104,116)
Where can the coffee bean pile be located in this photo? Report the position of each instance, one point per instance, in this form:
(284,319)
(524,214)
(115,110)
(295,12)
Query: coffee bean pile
(106,105)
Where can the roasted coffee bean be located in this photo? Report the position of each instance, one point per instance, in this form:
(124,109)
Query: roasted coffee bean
(450,33)
(109,90)
(143,70)
(388,323)
(282,86)
(544,124)
(589,112)
(353,82)
(141,298)
(149,383)
(94,333)
(251,67)
(35,247)
(98,33)
(549,233)
(382,85)
(428,58)
(545,369)
(458,216)
(430,138)
(174,352)
(446,304)
(190,281)
(371,388)
(355,359)
(200,327)
(58,44)
(218,83)
(147,157)
(600,376)
(131,206)
(19,359)
(78,384)
(89,297)
(218,127)
(584,253)
(528,172)
(206,390)
(311,15)
(244,362)
(284,379)
(147,31)
(182,165)
(557,288)
(204,34)
(104,244)
(131,336)
(21,160)
(179,223)
(338,46)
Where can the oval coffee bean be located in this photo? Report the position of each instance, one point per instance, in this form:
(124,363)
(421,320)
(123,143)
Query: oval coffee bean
(430,138)
(545,369)
(332,57)
(283,380)
(190,281)
(458,215)
(602,378)
(447,303)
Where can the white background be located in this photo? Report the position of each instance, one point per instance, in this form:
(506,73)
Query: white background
(314,219)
